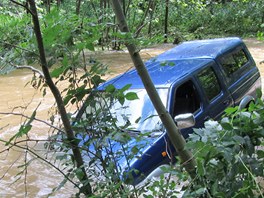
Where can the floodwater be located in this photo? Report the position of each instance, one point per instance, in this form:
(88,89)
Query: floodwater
(39,179)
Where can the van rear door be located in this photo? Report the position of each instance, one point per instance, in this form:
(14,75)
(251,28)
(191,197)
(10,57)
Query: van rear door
(242,75)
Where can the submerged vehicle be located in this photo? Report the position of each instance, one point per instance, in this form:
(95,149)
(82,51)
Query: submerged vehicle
(201,77)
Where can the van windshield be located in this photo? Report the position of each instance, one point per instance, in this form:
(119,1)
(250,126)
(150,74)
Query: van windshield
(138,114)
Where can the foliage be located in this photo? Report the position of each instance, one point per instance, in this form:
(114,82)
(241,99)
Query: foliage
(101,141)
(230,154)
(96,23)
(202,19)
(68,40)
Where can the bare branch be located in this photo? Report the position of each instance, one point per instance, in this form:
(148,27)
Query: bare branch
(30,68)
(26,67)
(16,46)
(11,165)
(43,159)
(22,5)
(139,29)
(39,120)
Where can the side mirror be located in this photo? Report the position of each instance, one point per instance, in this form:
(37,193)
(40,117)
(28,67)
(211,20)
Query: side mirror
(184,121)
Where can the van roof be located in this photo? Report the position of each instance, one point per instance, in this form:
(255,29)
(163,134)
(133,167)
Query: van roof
(210,48)
(176,63)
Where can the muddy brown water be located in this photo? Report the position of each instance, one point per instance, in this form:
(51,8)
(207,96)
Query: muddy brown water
(39,178)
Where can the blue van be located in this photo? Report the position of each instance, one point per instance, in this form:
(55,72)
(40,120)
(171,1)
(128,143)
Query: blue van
(201,77)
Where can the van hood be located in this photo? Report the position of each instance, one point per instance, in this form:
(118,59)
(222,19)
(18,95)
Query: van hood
(125,155)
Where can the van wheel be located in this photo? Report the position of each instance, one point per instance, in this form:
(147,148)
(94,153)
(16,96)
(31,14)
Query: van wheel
(245,102)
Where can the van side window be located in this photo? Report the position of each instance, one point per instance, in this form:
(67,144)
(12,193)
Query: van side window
(186,99)
(232,62)
(209,82)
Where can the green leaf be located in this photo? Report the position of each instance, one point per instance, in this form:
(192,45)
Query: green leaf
(131,96)
(80,46)
(125,88)
(65,61)
(200,191)
(121,99)
(79,173)
(57,72)
(231,110)
(260,154)
(90,46)
(258,91)
(135,150)
(110,88)
(200,168)
(239,139)
(67,99)
(226,125)
(23,130)
(96,80)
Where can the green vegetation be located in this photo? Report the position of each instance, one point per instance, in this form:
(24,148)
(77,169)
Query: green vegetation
(229,156)
(71,30)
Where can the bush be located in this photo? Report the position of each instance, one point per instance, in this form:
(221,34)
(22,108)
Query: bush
(229,156)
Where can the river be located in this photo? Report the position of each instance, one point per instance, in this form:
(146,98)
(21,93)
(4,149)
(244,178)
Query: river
(16,96)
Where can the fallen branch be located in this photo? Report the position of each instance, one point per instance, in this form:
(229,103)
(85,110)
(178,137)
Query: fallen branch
(26,67)
(30,68)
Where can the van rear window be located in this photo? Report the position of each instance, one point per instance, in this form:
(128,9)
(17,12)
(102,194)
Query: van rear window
(233,62)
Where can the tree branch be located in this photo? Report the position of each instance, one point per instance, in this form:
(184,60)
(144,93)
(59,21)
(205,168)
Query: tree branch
(41,158)
(39,120)
(22,5)
(30,68)
(16,46)
(172,130)
(86,189)
(25,67)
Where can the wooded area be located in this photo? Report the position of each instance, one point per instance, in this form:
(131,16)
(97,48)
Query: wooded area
(56,39)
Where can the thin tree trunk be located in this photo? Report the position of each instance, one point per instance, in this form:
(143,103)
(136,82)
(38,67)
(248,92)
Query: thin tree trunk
(127,7)
(78,6)
(87,190)
(153,7)
(166,21)
(143,19)
(58,3)
(173,132)
(48,5)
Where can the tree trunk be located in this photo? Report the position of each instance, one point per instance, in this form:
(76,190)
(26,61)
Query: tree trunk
(86,189)
(173,132)
(166,21)
(78,6)
(153,7)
